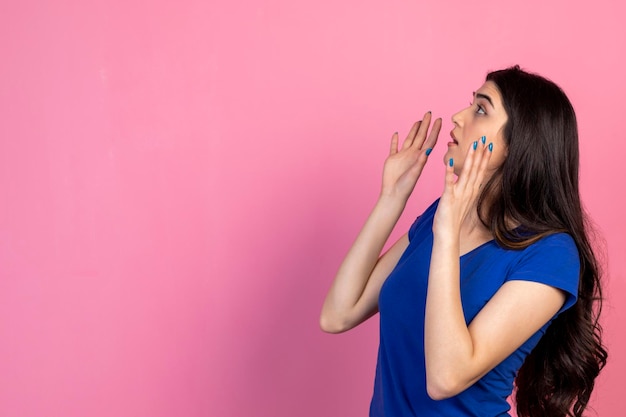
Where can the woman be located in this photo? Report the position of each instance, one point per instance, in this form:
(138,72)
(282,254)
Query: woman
(496,281)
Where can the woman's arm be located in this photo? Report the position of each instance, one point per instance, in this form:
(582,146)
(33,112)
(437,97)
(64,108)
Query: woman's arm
(353,296)
(458,355)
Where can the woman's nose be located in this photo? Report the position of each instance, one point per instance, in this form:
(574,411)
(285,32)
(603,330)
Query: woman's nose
(457,118)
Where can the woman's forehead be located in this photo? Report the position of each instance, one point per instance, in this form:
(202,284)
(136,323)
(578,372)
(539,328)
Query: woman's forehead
(489,91)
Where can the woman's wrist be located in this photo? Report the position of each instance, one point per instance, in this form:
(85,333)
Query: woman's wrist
(446,237)
(391,202)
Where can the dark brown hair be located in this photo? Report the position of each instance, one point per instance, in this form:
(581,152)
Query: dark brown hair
(537,188)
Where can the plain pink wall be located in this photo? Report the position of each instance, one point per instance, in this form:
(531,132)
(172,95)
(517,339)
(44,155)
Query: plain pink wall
(180,180)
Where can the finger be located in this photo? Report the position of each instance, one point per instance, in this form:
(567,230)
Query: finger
(394,144)
(427,146)
(423,129)
(468,167)
(481,154)
(420,163)
(450,177)
(482,169)
(430,142)
(476,161)
(411,136)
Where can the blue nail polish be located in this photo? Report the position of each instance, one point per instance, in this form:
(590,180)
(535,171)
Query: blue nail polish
(483,139)
(428,151)
(475,145)
(490,147)
(451,162)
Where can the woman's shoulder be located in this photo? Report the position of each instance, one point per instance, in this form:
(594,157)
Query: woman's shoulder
(552,251)
(560,241)
(554,254)
(552,260)
(424,220)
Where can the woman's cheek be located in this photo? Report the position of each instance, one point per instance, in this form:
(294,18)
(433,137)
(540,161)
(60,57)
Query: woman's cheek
(497,158)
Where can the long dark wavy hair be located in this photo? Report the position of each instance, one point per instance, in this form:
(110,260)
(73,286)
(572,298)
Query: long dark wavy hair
(537,189)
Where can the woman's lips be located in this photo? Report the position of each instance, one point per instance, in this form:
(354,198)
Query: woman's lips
(454,141)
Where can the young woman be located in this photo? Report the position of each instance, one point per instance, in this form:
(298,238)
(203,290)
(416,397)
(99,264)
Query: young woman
(496,282)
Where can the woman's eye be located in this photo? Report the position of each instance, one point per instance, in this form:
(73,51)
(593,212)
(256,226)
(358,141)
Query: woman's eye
(479,109)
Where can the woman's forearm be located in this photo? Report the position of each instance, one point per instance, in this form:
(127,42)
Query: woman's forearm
(448,344)
(344,306)
(353,296)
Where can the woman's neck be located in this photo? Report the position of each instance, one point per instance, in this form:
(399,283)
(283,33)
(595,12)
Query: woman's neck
(473,234)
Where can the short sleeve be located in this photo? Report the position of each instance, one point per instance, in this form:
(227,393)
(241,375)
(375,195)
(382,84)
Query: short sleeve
(554,261)
(424,220)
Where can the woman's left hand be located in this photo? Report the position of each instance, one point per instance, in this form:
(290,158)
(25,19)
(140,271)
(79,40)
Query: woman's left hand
(461,194)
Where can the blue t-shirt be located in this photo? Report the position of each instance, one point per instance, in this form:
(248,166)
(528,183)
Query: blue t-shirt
(400,384)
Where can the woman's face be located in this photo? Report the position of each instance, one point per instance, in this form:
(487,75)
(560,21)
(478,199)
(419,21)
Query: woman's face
(484,117)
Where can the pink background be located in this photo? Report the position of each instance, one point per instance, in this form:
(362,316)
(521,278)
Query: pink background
(180,180)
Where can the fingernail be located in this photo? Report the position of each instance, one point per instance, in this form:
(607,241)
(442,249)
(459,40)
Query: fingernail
(491,147)
(483,139)
(428,151)
(475,145)
(428,111)
(451,162)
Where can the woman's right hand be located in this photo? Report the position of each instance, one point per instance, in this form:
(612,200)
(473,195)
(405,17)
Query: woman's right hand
(353,296)
(403,167)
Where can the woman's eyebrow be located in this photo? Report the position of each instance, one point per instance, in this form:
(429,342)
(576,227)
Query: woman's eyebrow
(486,97)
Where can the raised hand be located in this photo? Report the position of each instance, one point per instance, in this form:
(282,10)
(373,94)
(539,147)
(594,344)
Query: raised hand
(460,195)
(404,166)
